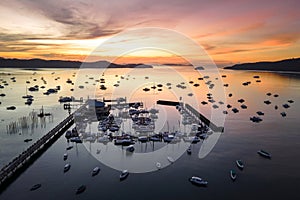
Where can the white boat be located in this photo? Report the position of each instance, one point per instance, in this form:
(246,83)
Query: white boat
(65,156)
(240,164)
(130,148)
(232,175)
(95,171)
(67,167)
(264,154)
(198,181)
(143,139)
(124,175)
(170,159)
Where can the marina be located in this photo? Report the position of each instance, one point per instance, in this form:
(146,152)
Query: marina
(145,123)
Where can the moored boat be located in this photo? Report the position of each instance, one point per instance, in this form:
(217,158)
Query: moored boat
(198,181)
(130,148)
(81,189)
(154,139)
(76,140)
(95,171)
(65,156)
(189,151)
(143,139)
(124,175)
(69,147)
(67,167)
(240,164)
(35,187)
(232,175)
(264,154)
(28,140)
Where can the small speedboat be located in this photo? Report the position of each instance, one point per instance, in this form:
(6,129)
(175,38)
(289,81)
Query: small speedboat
(158,165)
(240,164)
(198,181)
(67,167)
(124,175)
(232,175)
(264,154)
(130,148)
(35,187)
(81,189)
(95,171)
(170,159)
(65,156)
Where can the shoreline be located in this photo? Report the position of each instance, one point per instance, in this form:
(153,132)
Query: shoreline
(266,71)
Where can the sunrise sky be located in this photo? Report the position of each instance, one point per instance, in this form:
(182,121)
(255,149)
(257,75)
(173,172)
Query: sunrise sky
(230,31)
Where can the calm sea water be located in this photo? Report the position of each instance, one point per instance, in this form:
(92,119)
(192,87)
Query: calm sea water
(261,178)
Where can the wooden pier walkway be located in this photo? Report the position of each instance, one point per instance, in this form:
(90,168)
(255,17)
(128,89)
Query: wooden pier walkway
(192,111)
(32,152)
(203,119)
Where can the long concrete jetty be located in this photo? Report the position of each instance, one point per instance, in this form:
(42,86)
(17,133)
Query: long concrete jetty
(194,112)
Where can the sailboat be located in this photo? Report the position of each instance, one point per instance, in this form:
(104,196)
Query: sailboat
(41,114)
(27,96)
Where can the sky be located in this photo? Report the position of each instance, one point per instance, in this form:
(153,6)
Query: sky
(230,31)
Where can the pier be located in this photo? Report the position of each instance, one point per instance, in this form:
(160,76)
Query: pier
(192,111)
(28,156)
(202,118)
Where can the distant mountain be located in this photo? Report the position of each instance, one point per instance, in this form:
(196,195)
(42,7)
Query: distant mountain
(40,63)
(291,65)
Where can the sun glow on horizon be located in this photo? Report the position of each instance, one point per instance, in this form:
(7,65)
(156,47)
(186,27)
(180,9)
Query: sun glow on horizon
(230,32)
